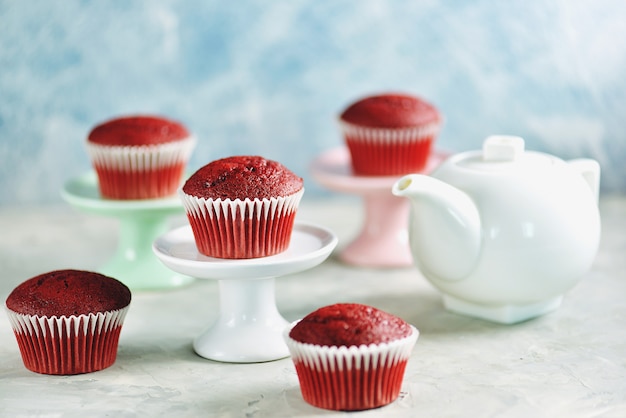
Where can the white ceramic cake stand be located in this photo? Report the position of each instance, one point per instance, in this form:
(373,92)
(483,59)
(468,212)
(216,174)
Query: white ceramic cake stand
(249,327)
(383,240)
(141,222)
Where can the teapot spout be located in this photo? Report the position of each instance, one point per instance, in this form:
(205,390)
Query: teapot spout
(445,227)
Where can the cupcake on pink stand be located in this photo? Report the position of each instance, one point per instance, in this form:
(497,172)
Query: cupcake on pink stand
(390,134)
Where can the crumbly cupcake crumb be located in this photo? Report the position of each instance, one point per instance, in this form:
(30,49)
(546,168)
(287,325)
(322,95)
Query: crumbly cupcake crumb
(348,324)
(137,130)
(241,177)
(68,292)
(391,110)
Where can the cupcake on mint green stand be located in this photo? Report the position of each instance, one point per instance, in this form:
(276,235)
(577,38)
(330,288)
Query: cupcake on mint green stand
(139,163)
(139,157)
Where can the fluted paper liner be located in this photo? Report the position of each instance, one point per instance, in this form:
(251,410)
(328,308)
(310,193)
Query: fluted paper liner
(237,229)
(351,378)
(140,172)
(64,345)
(387,151)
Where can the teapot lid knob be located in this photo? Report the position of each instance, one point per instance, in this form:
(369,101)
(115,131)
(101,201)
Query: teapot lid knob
(502,148)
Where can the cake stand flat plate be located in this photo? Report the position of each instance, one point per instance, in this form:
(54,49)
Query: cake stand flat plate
(141,222)
(333,170)
(83,192)
(309,246)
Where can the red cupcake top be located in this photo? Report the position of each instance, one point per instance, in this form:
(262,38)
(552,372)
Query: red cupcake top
(348,324)
(68,292)
(137,130)
(390,111)
(241,177)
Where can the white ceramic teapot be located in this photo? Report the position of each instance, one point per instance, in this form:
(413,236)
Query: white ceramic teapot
(503,233)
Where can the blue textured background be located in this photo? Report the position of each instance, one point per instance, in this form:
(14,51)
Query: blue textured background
(269,77)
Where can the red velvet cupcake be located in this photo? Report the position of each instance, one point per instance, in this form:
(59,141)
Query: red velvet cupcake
(389,134)
(349,356)
(242,207)
(68,321)
(139,157)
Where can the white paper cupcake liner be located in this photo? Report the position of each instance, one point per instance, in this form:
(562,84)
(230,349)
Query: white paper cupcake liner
(143,157)
(140,172)
(351,378)
(66,345)
(248,228)
(386,152)
(390,135)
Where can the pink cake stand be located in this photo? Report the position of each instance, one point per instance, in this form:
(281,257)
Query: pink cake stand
(383,240)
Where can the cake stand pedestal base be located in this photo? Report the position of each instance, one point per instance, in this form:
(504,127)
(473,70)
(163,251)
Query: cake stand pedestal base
(248,317)
(141,222)
(383,240)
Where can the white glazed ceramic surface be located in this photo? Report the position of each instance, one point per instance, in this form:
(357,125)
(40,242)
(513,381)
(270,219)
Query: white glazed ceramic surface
(504,233)
(310,245)
(249,327)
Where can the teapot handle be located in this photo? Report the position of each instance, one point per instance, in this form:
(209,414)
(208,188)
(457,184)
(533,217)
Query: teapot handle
(590,170)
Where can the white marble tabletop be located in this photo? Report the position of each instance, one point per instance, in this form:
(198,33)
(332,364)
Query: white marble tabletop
(569,363)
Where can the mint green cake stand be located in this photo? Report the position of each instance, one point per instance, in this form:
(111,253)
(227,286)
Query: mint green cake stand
(141,222)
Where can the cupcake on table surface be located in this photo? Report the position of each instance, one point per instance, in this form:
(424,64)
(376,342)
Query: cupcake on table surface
(242,207)
(68,321)
(350,356)
(139,157)
(390,133)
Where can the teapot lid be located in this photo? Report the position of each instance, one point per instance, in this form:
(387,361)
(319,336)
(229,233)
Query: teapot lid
(503,148)
(502,151)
